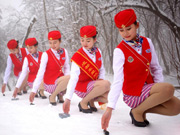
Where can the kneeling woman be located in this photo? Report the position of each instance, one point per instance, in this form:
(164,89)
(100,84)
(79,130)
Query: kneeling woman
(54,70)
(87,74)
(30,66)
(15,60)
(138,74)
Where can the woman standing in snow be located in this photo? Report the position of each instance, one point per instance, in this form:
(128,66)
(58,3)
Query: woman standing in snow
(87,74)
(138,73)
(30,66)
(16,58)
(54,70)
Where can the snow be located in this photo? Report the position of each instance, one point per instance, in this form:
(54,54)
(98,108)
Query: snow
(59,8)
(135,3)
(21,118)
(60,17)
(34,17)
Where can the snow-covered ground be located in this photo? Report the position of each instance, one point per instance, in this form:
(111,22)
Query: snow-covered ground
(21,118)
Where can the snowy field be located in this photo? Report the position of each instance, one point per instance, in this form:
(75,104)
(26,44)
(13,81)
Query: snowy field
(21,118)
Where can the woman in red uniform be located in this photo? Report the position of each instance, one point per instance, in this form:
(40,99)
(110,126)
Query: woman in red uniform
(87,74)
(54,70)
(30,66)
(15,58)
(138,74)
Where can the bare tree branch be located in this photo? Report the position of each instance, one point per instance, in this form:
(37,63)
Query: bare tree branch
(29,30)
(45,15)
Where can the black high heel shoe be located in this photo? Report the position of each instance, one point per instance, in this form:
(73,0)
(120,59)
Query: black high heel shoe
(36,95)
(147,122)
(94,109)
(19,93)
(84,110)
(52,103)
(60,101)
(43,97)
(137,123)
(24,91)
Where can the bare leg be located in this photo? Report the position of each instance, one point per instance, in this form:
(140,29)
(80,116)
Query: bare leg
(100,88)
(41,89)
(60,97)
(103,98)
(170,107)
(24,84)
(61,86)
(159,94)
(92,103)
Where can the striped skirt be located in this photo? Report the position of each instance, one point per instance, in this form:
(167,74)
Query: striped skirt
(50,88)
(89,88)
(30,84)
(134,101)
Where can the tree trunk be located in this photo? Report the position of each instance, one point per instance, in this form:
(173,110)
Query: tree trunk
(28,31)
(167,71)
(45,15)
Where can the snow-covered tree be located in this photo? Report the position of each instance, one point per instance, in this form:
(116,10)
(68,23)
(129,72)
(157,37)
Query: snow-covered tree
(2,46)
(159,20)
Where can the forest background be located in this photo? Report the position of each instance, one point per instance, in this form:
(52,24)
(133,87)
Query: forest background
(159,20)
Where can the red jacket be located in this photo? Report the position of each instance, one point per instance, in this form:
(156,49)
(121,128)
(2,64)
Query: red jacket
(33,66)
(54,67)
(136,68)
(88,69)
(17,63)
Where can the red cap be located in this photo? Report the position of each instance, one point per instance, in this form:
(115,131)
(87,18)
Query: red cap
(54,35)
(125,18)
(30,41)
(88,31)
(12,44)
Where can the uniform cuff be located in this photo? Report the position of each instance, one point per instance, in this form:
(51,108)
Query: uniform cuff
(111,105)
(68,97)
(34,91)
(4,82)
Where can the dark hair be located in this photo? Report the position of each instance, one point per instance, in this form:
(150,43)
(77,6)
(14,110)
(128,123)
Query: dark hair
(36,44)
(95,35)
(59,39)
(17,43)
(135,22)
